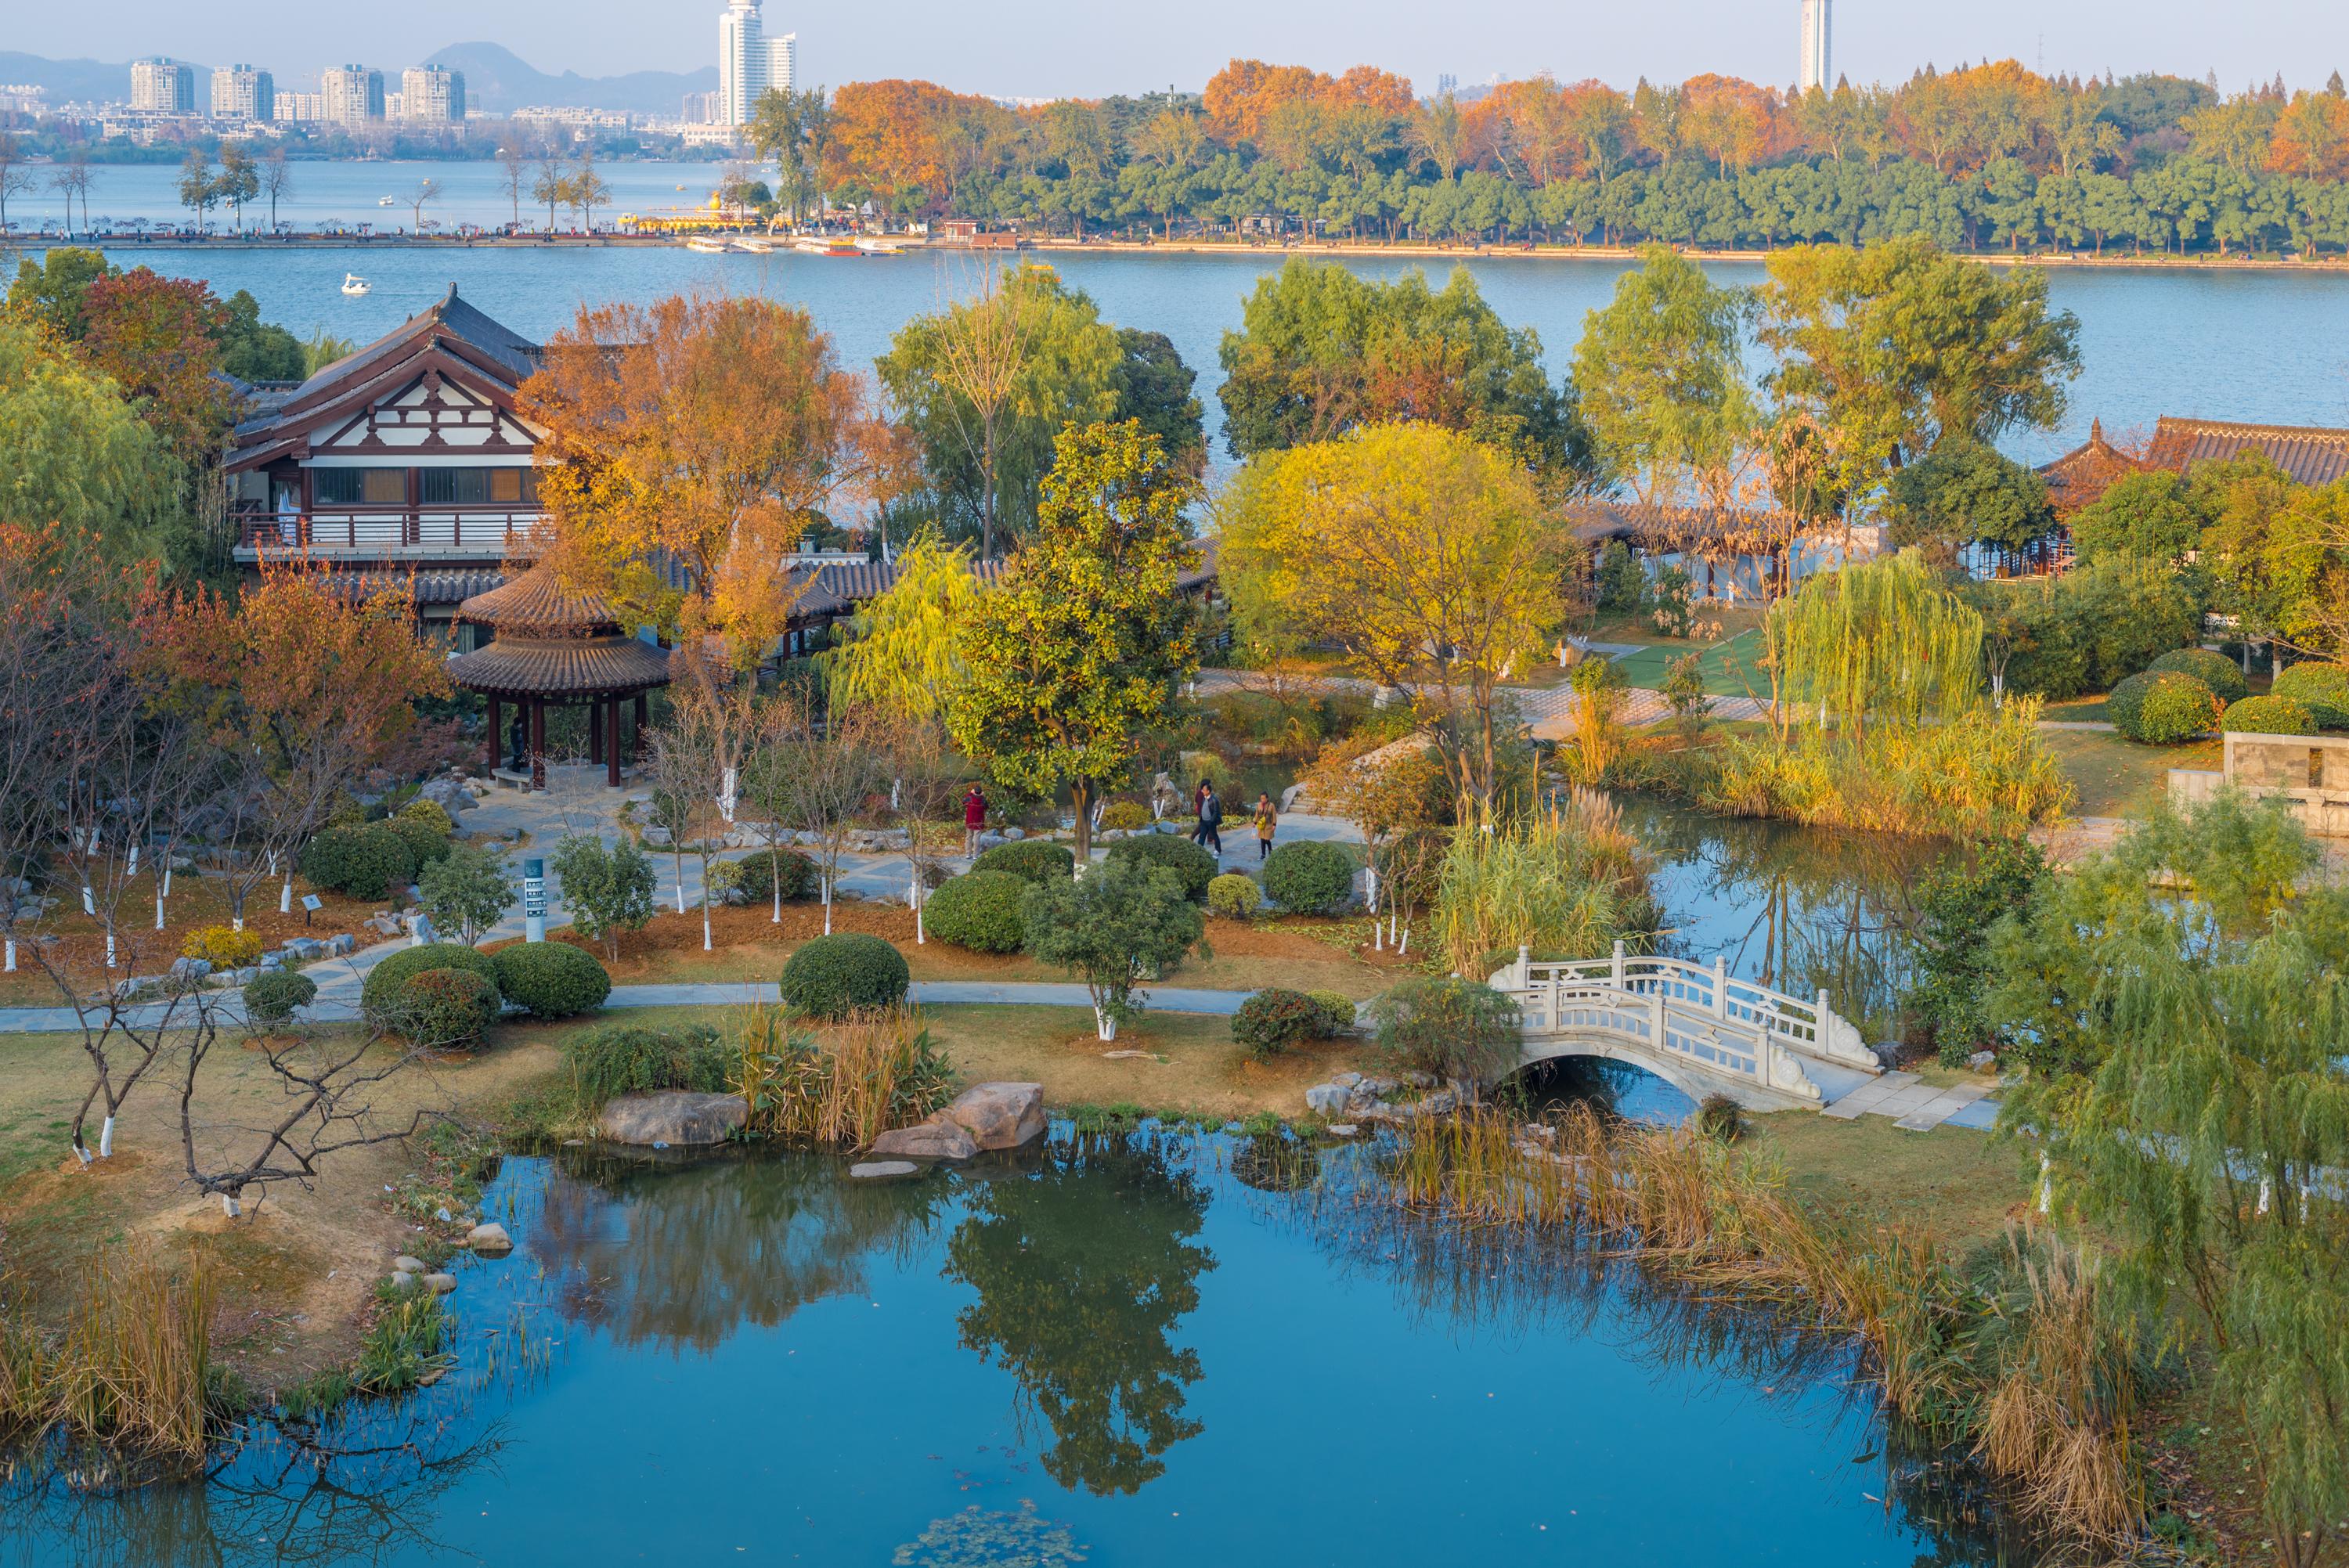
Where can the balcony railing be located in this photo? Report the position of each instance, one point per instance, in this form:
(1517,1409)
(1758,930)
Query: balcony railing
(381,530)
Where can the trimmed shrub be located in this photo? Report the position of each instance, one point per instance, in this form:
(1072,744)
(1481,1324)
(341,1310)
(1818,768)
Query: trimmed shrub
(427,837)
(1029,859)
(1309,877)
(1234,895)
(760,871)
(223,946)
(2322,689)
(445,1009)
(1125,816)
(978,910)
(551,979)
(1453,1028)
(271,998)
(2162,707)
(628,1058)
(2270,715)
(1337,1014)
(1193,866)
(1273,1020)
(380,994)
(832,976)
(2216,671)
(362,863)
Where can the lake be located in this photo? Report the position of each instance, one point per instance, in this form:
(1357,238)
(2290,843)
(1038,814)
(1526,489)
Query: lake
(1133,1347)
(2268,346)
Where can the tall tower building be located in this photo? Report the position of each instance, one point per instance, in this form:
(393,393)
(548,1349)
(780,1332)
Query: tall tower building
(433,93)
(159,84)
(350,94)
(1818,21)
(243,92)
(749,63)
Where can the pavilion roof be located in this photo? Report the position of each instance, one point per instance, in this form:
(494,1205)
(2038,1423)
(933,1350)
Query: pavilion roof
(562,666)
(538,602)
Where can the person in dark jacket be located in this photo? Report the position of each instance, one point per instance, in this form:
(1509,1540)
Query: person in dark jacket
(1211,820)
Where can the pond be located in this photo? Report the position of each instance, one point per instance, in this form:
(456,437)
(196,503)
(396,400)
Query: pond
(1139,1346)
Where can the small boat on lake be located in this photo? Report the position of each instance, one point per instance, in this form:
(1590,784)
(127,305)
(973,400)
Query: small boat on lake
(708,246)
(815,245)
(386,202)
(755,244)
(355,286)
(880,247)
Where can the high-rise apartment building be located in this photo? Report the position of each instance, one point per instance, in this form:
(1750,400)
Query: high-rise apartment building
(243,92)
(749,63)
(1817,23)
(301,108)
(162,85)
(433,93)
(350,94)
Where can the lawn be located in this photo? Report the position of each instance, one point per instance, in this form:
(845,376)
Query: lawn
(2117,778)
(1731,667)
(1951,1184)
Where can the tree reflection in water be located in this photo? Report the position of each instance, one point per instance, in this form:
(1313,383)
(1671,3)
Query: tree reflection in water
(681,1252)
(1084,1268)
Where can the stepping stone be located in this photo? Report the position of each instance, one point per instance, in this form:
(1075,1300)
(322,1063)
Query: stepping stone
(882,1170)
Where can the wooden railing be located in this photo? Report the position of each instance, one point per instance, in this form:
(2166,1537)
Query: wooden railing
(385,529)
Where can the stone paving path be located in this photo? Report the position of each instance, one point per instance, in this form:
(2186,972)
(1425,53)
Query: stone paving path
(1916,1106)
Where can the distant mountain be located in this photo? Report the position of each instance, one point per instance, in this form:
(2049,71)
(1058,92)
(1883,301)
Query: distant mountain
(71,81)
(497,80)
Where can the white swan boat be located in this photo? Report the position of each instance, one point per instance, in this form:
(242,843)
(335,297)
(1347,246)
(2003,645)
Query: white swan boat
(355,286)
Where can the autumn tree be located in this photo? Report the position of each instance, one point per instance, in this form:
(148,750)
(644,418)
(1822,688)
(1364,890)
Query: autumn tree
(1085,643)
(702,435)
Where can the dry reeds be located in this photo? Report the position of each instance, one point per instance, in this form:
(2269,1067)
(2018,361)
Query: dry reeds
(841,1085)
(2032,1377)
(131,1367)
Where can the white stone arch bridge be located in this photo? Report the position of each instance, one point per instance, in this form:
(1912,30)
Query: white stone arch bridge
(1698,1028)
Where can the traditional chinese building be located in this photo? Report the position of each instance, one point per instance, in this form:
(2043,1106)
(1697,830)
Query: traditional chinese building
(2307,454)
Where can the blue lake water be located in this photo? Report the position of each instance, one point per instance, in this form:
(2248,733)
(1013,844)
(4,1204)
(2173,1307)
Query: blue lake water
(1144,1347)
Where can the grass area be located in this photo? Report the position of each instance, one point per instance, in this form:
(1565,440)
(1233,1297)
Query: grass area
(2117,778)
(1732,667)
(1951,1184)
(2078,710)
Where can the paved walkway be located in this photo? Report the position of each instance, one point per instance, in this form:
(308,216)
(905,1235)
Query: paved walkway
(1916,1106)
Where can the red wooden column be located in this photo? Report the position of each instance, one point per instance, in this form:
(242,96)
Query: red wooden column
(538,743)
(612,744)
(495,739)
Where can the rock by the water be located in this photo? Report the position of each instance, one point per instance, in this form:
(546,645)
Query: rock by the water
(1343,1129)
(1983,1061)
(489,1239)
(406,1265)
(928,1141)
(674,1116)
(402,1279)
(999,1115)
(882,1170)
(1327,1099)
(440,1283)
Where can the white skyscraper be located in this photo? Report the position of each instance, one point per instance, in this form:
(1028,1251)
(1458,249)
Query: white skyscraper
(162,85)
(432,93)
(243,92)
(1817,23)
(748,62)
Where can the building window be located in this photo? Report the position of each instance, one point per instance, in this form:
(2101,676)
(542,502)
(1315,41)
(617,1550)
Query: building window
(476,487)
(361,487)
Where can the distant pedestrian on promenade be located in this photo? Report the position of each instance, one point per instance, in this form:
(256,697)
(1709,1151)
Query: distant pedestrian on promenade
(1267,822)
(974,820)
(1211,820)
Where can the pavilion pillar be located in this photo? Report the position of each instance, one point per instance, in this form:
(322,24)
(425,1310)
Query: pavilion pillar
(612,745)
(596,729)
(497,739)
(643,715)
(538,743)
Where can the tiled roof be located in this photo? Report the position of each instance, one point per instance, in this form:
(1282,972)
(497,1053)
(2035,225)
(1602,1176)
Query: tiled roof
(423,588)
(1598,519)
(560,667)
(537,601)
(516,353)
(2312,454)
(838,586)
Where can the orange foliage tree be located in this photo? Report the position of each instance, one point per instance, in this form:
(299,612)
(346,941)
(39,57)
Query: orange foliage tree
(1244,98)
(909,142)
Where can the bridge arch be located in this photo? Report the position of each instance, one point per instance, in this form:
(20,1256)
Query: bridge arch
(1597,1048)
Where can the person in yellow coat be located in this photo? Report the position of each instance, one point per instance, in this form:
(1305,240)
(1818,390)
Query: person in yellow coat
(1267,822)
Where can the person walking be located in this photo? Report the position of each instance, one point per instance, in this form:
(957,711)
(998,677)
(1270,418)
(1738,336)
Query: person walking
(1211,821)
(974,820)
(1200,812)
(1267,822)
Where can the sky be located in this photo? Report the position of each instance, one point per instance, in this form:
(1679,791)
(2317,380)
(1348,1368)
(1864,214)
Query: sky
(1057,47)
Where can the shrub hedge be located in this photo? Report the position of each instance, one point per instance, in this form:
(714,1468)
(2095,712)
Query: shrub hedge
(1029,859)
(380,994)
(551,979)
(978,910)
(2162,707)
(628,1058)
(446,1010)
(1193,866)
(1337,1014)
(426,840)
(2216,671)
(365,861)
(762,870)
(834,976)
(2270,715)
(2322,689)
(1309,877)
(1125,815)
(223,946)
(1234,895)
(1273,1020)
(271,998)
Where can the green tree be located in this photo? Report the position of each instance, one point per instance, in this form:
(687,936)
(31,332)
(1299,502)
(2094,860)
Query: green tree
(238,181)
(1963,490)
(2151,517)
(1880,640)
(466,892)
(1154,387)
(1660,378)
(1082,648)
(53,291)
(793,128)
(253,350)
(1120,923)
(199,192)
(78,455)
(607,891)
(1957,904)
(899,658)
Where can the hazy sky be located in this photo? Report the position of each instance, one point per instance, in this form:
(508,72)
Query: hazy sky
(1045,48)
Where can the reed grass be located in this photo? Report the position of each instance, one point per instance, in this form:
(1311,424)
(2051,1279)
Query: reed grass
(2032,1377)
(132,1365)
(1569,880)
(843,1084)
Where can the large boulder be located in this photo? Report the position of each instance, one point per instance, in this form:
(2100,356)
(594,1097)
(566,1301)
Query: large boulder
(674,1117)
(937,1139)
(450,794)
(999,1115)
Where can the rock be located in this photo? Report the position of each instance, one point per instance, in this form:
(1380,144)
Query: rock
(1983,1061)
(1327,1099)
(304,949)
(1347,1081)
(402,1278)
(1439,1103)
(657,836)
(406,1265)
(1343,1129)
(187,970)
(1013,835)
(271,961)
(999,1115)
(928,1141)
(882,1170)
(1887,1054)
(488,1240)
(340,943)
(1420,1080)
(674,1116)
(440,1283)
(450,794)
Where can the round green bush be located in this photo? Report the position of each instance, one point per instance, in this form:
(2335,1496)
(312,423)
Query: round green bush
(1234,895)
(362,861)
(1125,815)
(1309,877)
(427,838)
(834,976)
(1029,859)
(379,996)
(762,869)
(2162,707)
(2322,689)
(1272,1020)
(2216,671)
(978,910)
(446,1010)
(1193,866)
(1337,1014)
(271,998)
(2270,715)
(551,979)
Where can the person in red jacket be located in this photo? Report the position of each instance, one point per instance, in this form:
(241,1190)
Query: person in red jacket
(974,817)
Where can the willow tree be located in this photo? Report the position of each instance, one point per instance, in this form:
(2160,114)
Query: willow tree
(1879,641)
(900,662)
(1662,379)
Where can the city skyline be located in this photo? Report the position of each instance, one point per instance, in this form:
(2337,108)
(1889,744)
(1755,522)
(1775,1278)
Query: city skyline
(988,52)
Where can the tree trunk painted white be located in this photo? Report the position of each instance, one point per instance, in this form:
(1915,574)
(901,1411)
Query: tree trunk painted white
(705,926)
(827,902)
(159,909)
(913,897)
(1105,1025)
(776,918)
(88,899)
(132,869)
(109,946)
(236,923)
(9,966)
(1403,945)
(2046,1187)
(166,891)
(285,895)
(81,1152)
(230,1206)
(105,1140)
